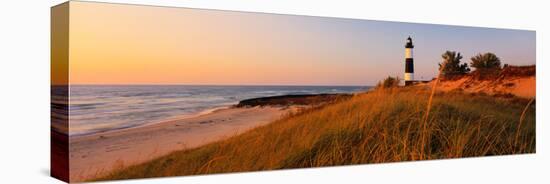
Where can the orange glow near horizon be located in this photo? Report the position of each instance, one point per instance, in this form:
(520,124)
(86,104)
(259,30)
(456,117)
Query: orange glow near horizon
(130,44)
(116,44)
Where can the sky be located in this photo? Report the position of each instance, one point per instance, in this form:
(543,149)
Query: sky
(129,44)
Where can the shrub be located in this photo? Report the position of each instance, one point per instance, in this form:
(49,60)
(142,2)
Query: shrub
(389,82)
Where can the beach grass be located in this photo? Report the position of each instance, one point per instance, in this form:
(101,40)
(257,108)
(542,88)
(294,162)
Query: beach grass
(384,125)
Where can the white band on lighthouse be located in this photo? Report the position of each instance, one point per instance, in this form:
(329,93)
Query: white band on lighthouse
(409,63)
(408,53)
(409,76)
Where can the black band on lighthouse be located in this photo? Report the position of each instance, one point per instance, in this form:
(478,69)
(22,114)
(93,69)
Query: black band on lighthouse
(409,67)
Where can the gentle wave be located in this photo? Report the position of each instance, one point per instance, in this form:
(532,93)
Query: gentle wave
(98,108)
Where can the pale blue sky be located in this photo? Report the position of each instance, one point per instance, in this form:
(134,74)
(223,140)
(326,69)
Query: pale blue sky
(378,46)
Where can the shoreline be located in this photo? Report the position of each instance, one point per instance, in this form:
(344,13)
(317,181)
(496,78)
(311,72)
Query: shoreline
(279,100)
(97,154)
(93,155)
(173,118)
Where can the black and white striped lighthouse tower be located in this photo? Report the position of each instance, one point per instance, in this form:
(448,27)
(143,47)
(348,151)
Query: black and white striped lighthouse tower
(409,65)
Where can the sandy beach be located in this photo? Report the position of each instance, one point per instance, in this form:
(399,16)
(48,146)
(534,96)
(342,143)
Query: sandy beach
(94,155)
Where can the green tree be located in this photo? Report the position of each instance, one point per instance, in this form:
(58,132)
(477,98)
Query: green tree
(486,61)
(451,65)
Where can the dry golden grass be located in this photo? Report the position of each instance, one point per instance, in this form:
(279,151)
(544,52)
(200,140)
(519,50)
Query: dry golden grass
(385,125)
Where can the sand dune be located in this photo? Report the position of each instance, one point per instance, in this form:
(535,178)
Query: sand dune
(515,80)
(521,86)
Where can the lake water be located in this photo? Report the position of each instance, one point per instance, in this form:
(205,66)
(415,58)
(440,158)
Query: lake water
(97,108)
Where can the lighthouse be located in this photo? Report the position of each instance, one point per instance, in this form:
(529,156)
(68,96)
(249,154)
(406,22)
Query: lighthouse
(409,65)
